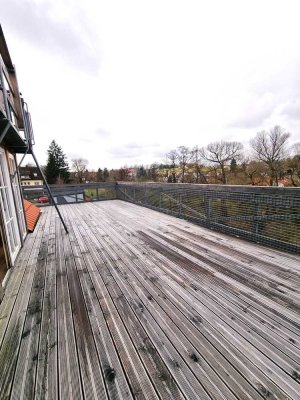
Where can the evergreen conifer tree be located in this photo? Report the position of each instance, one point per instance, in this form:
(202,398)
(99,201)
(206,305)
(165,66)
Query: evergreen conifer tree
(57,168)
(233,165)
(105,174)
(100,175)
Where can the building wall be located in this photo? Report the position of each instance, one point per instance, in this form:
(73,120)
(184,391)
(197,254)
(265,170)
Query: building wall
(31,182)
(13,132)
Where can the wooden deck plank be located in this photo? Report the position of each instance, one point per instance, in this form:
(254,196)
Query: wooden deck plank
(69,377)
(115,380)
(293,373)
(209,358)
(138,304)
(25,374)
(129,269)
(226,290)
(47,380)
(241,290)
(160,375)
(257,356)
(274,317)
(91,375)
(278,271)
(15,280)
(14,331)
(259,386)
(288,347)
(284,295)
(140,383)
(260,276)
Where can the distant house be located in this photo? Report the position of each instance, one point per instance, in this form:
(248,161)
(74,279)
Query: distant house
(132,173)
(30,176)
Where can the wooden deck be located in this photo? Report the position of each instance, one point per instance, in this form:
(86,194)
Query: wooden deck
(137,304)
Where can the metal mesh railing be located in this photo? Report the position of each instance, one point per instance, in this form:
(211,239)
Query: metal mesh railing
(68,194)
(265,215)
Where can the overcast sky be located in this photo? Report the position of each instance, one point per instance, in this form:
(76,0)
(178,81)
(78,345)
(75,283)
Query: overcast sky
(123,82)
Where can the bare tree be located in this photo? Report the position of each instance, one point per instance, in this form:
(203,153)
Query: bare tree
(256,171)
(293,165)
(270,148)
(296,149)
(172,158)
(79,167)
(198,165)
(123,174)
(153,172)
(183,156)
(221,153)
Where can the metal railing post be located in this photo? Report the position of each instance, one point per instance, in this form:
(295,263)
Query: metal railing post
(208,209)
(256,223)
(180,205)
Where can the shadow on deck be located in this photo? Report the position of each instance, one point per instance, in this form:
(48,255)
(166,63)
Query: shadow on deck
(138,304)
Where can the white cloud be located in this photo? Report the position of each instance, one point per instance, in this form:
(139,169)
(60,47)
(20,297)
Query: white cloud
(99,76)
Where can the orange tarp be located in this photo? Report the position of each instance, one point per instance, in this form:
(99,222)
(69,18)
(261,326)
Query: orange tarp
(32,214)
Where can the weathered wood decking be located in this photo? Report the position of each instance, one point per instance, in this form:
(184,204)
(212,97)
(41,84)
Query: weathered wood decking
(137,304)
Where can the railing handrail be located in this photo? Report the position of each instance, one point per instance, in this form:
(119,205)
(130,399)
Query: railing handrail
(224,188)
(258,190)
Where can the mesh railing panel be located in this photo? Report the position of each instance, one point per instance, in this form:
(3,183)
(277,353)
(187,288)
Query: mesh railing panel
(266,215)
(68,194)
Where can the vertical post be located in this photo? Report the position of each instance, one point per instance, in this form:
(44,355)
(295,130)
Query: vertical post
(255,224)
(134,195)
(180,205)
(208,201)
(160,200)
(97,191)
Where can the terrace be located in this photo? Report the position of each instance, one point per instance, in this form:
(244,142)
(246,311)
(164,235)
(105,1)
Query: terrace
(136,303)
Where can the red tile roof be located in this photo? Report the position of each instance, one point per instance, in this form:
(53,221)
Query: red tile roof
(32,214)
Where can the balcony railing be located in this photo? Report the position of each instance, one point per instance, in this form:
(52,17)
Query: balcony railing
(265,215)
(10,101)
(66,194)
(15,123)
